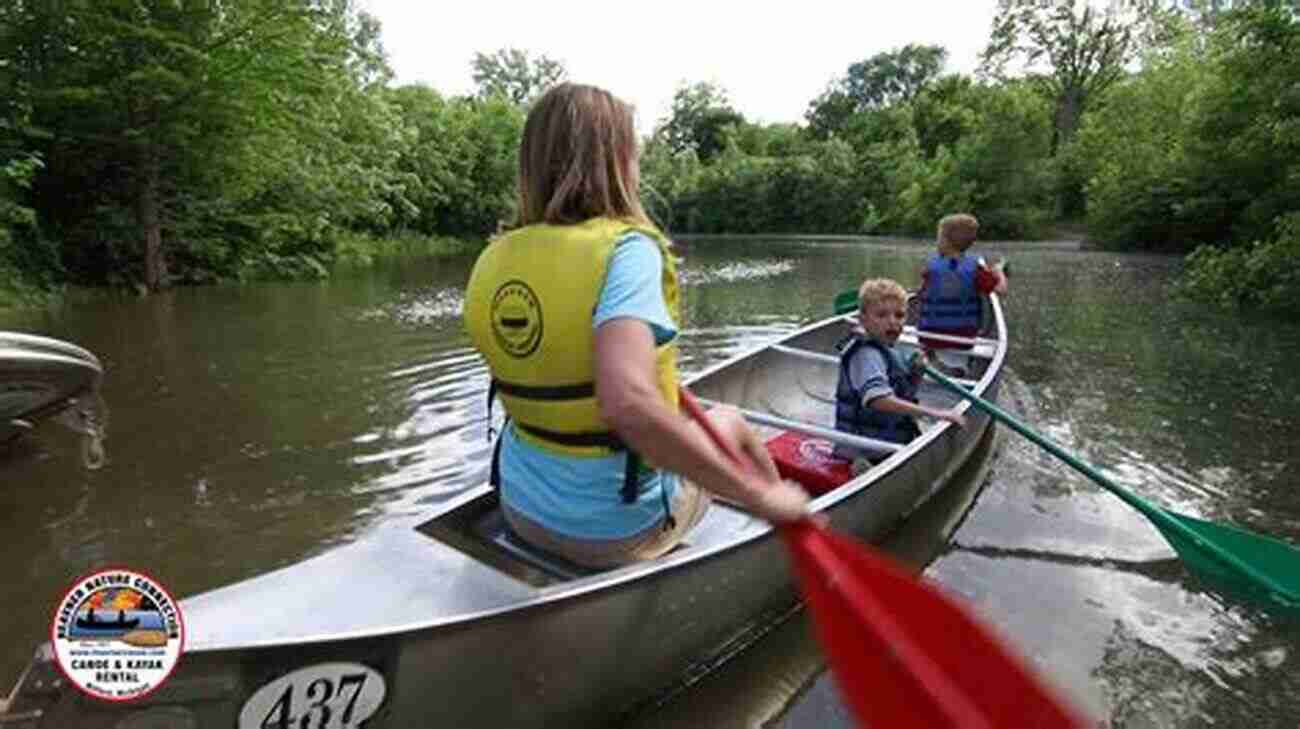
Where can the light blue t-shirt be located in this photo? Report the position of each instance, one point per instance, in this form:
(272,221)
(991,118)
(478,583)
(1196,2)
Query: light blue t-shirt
(581,497)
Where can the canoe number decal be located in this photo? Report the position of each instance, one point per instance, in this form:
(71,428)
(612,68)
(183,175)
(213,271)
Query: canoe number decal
(516,319)
(323,696)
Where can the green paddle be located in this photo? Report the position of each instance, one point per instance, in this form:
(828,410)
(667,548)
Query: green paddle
(846,301)
(1226,556)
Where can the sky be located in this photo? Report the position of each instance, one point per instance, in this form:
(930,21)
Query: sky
(771,58)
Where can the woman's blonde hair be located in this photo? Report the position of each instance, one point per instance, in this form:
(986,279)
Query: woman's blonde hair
(880,289)
(578,158)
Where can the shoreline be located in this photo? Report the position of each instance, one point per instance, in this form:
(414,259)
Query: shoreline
(1073,244)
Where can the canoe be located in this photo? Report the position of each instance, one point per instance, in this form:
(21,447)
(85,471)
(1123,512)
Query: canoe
(39,377)
(456,623)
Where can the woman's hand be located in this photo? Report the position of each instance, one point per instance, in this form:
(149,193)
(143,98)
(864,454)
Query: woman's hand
(781,502)
(767,494)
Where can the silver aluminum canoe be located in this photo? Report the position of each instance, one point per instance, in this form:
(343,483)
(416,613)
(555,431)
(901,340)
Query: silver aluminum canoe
(39,377)
(456,624)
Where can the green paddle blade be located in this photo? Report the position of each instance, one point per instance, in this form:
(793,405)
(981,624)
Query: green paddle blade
(1236,560)
(846,301)
(1275,562)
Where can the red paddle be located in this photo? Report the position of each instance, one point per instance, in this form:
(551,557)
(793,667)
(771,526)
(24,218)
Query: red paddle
(903,654)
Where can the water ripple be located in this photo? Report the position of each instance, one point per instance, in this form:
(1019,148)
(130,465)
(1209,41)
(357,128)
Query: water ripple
(736,271)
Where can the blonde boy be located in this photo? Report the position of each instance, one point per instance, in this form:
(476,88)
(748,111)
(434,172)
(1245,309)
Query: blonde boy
(952,284)
(876,393)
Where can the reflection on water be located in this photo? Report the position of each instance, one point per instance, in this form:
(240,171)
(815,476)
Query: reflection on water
(753,270)
(88,417)
(255,425)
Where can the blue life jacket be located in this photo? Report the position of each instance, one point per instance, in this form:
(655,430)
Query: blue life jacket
(852,416)
(950,299)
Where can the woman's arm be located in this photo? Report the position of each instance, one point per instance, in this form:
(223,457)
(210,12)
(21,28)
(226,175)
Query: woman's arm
(628,394)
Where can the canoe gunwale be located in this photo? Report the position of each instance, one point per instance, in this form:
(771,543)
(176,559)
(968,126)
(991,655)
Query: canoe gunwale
(654,631)
(63,371)
(622,577)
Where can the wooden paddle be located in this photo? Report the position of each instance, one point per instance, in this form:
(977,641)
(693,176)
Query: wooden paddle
(905,656)
(1232,558)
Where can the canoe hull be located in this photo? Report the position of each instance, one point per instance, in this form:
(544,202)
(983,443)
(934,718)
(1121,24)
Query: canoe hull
(39,377)
(561,652)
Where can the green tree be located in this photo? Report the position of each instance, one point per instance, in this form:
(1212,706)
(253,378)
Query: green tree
(462,161)
(945,111)
(1085,51)
(1243,147)
(197,135)
(698,121)
(19,162)
(1201,145)
(877,82)
(516,75)
(1131,151)
(770,140)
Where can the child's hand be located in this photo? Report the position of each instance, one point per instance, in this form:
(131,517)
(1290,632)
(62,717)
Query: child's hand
(953,417)
(920,361)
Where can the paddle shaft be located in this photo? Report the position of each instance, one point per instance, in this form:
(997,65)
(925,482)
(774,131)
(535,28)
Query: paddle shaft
(1157,515)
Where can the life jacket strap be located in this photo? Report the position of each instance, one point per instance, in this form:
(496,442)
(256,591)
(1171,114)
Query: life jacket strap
(574,391)
(494,473)
(599,439)
(590,439)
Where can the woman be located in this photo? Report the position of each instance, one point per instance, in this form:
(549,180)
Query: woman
(576,313)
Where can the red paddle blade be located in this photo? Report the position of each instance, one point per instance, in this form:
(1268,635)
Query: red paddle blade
(923,661)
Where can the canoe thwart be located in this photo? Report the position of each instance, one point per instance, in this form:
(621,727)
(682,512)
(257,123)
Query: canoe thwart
(830,359)
(870,445)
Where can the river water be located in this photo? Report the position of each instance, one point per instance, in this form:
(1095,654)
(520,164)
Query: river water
(248,427)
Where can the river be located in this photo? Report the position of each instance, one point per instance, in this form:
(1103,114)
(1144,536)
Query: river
(247,427)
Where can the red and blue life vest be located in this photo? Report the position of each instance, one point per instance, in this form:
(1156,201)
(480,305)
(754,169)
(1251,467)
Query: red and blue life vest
(950,299)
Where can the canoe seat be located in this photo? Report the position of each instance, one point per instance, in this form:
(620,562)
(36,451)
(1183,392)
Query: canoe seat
(492,528)
(809,461)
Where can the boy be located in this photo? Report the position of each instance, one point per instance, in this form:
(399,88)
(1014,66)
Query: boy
(952,283)
(876,393)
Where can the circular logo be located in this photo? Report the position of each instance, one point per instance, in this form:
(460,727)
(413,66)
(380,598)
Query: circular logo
(117,634)
(816,450)
(516,319)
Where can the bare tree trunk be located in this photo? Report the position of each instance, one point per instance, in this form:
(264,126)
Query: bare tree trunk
(155,264)
(1069,106)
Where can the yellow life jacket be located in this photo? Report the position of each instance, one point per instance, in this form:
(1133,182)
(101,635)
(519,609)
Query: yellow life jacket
(528,308)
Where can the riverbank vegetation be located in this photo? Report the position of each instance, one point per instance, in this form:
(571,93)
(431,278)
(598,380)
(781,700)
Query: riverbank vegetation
(151,144)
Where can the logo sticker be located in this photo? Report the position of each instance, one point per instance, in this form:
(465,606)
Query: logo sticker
(816,450)
(516,319)
(117,634)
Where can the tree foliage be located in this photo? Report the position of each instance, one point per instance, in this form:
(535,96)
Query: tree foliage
(951,145)
(1201,146)
(148,142)
(185,139)
(516,75)
(698,120)
(1085,50)
(877,82)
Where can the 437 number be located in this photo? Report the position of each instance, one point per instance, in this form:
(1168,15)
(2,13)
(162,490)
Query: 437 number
(325,696)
